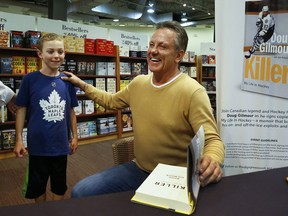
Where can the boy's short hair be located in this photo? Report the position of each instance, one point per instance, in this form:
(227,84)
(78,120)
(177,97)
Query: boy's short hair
(48,37)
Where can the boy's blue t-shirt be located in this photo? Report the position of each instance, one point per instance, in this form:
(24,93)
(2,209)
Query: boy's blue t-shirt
(48,101)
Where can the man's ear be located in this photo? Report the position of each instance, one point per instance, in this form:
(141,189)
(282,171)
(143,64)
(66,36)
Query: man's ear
(179,55)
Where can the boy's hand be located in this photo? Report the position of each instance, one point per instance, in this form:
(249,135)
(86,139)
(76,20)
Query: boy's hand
(19,150)
(73,145)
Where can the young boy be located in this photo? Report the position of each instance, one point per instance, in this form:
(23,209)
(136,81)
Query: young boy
(48,103)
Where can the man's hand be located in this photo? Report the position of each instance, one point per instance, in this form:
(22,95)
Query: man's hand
(210,171)
(74,80)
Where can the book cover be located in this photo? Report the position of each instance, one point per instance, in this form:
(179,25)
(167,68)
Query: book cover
(18,64)
(3,113)
(265,49)
(71,65)
(92,128)
(112,122)
(110,49)
(8,81)
(17,84)
(212,59)
(69,43)
(31,64)
(102,125)
(111,85)
(135,68)
(91,68)
(81,68)
(89,46)
(89,107)
(101,68)
(79,109)
(6,65)
(32,38)
(79,45)
(174,188)
(4,39)
(127,122)
(111,69)
(8,139)
(17,39)
(100,46)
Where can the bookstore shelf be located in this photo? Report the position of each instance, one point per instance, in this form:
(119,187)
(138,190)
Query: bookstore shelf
(207,77)
(122,76)
(82,117)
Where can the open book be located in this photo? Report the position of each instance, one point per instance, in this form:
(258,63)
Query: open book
(172,187)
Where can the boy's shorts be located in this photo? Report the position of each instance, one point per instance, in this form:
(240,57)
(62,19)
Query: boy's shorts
(40,168)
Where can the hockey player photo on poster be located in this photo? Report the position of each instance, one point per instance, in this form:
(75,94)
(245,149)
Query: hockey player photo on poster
(266,48)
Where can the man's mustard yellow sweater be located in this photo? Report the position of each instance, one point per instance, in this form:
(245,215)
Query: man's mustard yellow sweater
(165,119)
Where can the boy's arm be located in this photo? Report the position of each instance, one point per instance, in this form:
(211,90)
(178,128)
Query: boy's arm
(19,148)
(74,138)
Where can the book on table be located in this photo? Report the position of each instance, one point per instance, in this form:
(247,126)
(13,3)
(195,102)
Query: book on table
(174,188)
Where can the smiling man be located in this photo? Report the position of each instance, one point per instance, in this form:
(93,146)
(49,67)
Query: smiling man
(168,107)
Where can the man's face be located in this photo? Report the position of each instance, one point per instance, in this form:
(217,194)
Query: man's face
(162,54)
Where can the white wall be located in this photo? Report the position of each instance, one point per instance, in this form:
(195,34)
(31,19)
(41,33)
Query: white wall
(196,35)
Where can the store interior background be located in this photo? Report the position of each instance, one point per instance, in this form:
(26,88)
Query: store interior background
(132,15)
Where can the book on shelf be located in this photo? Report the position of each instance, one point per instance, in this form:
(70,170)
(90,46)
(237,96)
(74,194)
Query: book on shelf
(171,187)
(8,81)
(125,68)
(102,125)
(79,45)
(127,122)
(17,84)
(6,66)
(31,38)
(31,64)
(3,113)
(89,107)
(204,59)
(111,69)
(4,38)
(79,109)
(71,65)
(135,68)
(111,84)
(18,64)
(211,59)
(8,139)
(89,45)
(17,39)
(101,68)
(81,68)
(91,68)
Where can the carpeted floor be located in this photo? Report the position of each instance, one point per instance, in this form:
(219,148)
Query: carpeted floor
(89,159)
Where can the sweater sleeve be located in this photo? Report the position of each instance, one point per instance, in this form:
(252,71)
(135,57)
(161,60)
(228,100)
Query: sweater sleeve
(202,115)
(6,94)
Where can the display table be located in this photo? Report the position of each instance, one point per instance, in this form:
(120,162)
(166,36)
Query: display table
(262,193)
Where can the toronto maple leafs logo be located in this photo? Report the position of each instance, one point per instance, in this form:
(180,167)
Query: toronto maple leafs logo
(53,108)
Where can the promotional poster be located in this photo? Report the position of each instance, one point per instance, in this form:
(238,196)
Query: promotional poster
(252,106)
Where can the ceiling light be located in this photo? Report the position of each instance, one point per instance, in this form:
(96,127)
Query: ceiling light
(115,20)
(183,17)
(187,24)
(150,8)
